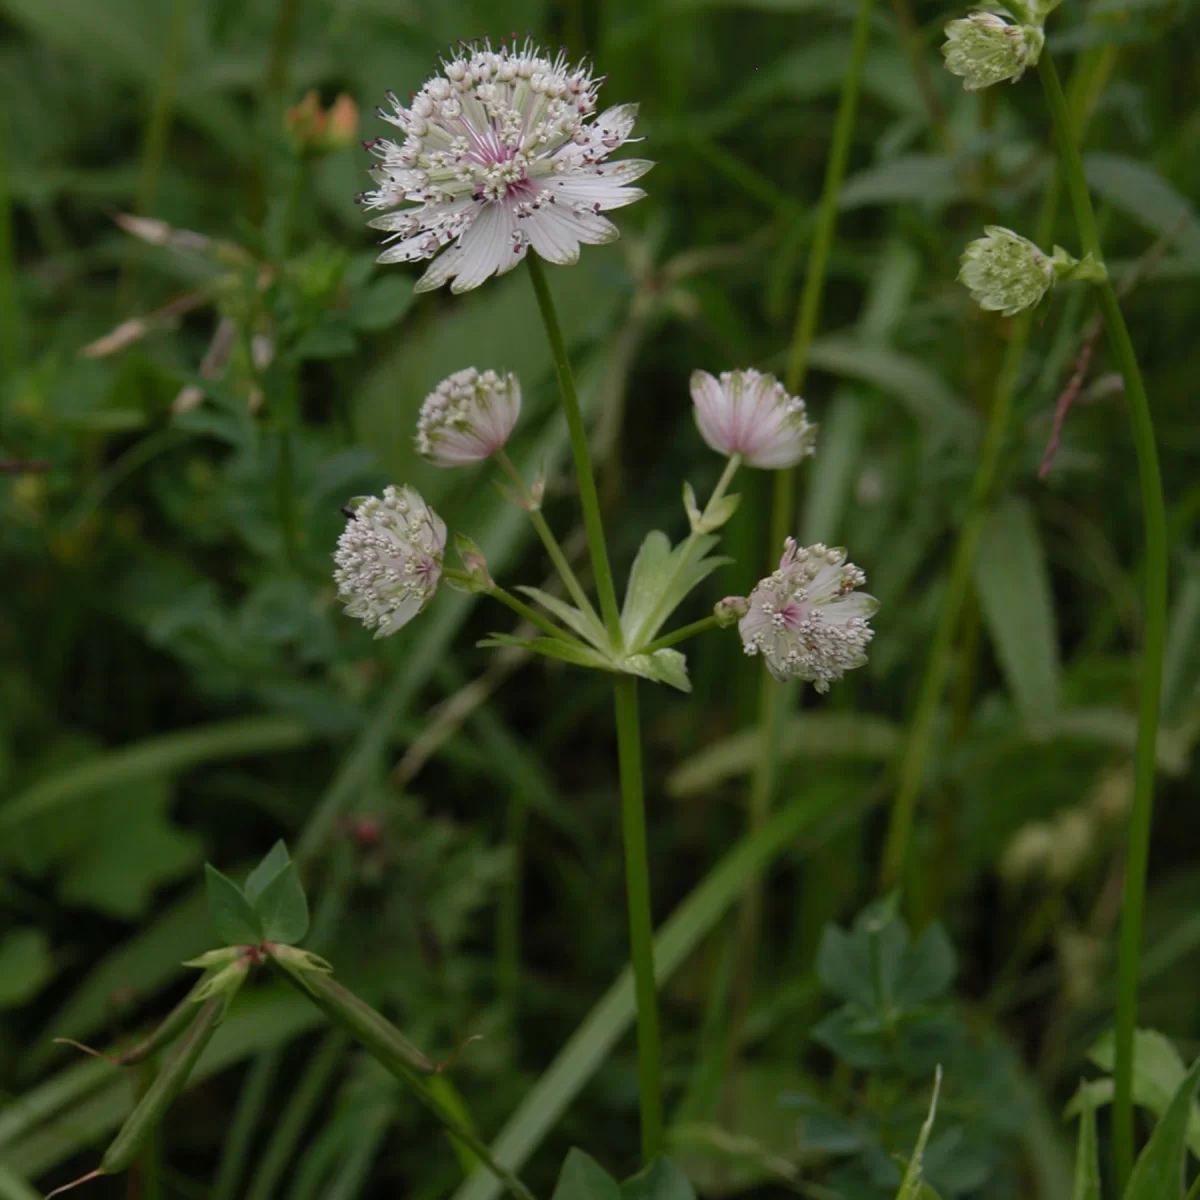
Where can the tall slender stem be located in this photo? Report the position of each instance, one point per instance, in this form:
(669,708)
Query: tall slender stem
(629,742)
(1154,519)
(641,928)
(549,541)
(772,701)
(588,497)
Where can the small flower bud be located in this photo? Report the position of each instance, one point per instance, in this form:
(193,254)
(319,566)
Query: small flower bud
(298,962)
(474,565)
(806,619)
(468,417)
(226,982)
(313,128)
(215,958)
(389,559)
(751,414)
(730,610)
(1006,272)
(985,49)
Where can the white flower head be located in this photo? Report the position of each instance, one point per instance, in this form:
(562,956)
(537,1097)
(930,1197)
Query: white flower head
(985,49)
(468,417)
(500,153)
(751,414)
(389,559)
(806,619)
(1006,272)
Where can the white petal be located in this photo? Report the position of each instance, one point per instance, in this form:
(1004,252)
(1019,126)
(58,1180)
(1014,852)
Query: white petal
(486,247)
(856,604)
(441,269)
(408,608)
(551,236)
(616,123)
(588,189)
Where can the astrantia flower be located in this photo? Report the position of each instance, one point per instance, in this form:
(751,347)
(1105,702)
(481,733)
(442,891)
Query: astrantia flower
(389,559)
(1006,272)
(500,153)
(985,49)
(468,418)
(751,414)
(806,619)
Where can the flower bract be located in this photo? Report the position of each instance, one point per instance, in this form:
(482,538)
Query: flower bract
(751,414)
(806,619)
(501,152)
(984,49)
(1006,272)
(389,559)
(468,417)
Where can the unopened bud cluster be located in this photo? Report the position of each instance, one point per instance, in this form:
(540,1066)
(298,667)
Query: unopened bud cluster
(984,49)
(1007,273)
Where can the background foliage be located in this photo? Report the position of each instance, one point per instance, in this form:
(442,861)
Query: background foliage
(178,682)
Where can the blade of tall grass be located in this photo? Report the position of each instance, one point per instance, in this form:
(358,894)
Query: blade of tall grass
(610,1019)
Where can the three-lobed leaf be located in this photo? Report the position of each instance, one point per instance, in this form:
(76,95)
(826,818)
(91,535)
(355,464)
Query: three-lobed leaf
(272,863)
(283,908)
(233,916)
(583,1178)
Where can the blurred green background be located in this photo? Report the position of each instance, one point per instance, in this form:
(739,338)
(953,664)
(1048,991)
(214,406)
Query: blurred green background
(177,682)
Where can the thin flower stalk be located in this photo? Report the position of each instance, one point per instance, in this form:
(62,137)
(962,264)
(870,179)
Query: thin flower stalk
(1154,626)
(532,505)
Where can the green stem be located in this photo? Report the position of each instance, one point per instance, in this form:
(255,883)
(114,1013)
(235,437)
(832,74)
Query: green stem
(10,308)
(680,635)
(532,616)
(588,497)
(772,697)
(641,929)
(549,541)
(1154,519)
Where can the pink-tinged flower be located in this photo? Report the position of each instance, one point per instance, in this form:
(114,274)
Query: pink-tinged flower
(806,619)
(751,414)
(468,417)
(500,154)
(389,559)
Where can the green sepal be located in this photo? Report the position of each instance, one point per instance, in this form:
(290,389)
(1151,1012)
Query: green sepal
(215,958)
(299,962)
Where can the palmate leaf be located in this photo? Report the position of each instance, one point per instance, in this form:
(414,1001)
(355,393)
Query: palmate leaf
(663,666)
(660,580)
(586,626)
(571,652)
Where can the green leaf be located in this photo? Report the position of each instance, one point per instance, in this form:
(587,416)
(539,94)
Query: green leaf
(587,627)
(1158,1172)
(592,1042)
(929,178)
(918,386)
(283,908)
(663,666)
(381,304)
(1157,1073)
(913,1187)
(1145,196)
(272,863)
(1181,664)
(926,970)
(661,1180)
(816,734)
(235,920)
(548,647)
(844,966)
(583,1178)
(1087,1160)
(1018,608)
(25,966)
(156,756)
(660,580)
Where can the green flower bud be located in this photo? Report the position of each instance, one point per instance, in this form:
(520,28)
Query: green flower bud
(731,610)
(474,565)
(985,49)
(1006,272)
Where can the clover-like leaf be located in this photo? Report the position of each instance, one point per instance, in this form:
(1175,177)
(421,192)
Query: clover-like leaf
(234,918)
